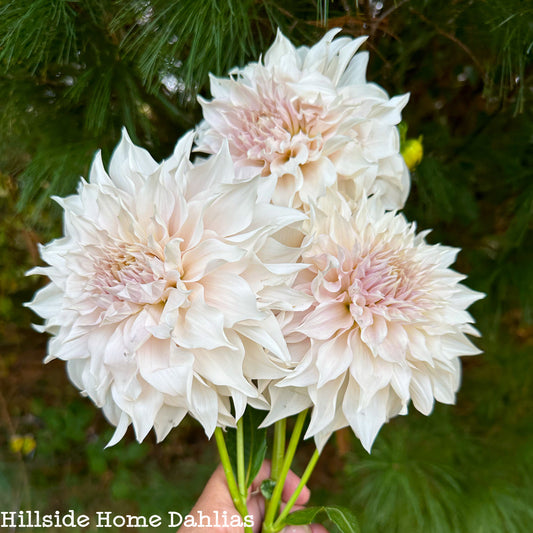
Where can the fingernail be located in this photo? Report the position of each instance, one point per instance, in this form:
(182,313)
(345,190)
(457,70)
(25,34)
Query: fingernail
(297,529)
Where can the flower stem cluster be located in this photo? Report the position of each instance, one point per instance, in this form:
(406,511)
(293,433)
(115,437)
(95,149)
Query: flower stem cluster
(282,459)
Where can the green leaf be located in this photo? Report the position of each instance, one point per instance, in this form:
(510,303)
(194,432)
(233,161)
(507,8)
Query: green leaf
(255,444)
(303,517)
(267,488)
(343,518)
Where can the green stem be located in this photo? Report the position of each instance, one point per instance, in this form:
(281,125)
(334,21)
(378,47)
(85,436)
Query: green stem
(278,450)
(279,523)
(273,504)
(241,474)
(238,500)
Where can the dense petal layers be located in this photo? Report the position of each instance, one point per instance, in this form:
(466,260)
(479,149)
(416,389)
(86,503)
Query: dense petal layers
(306,119)
(387,324)
(200,289)
(161,286)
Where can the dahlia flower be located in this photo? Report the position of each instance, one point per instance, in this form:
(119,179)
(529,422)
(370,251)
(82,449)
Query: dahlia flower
(160,286)
(387,324)
(306,119)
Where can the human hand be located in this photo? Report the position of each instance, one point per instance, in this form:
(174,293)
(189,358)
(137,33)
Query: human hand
(215,505)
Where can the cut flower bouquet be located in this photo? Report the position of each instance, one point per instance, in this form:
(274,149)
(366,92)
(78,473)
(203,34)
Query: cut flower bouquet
(271,276)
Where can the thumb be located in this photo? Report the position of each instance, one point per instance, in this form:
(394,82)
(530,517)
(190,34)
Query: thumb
(313,528)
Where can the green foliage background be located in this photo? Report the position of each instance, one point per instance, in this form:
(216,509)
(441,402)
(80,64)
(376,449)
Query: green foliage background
(73,72)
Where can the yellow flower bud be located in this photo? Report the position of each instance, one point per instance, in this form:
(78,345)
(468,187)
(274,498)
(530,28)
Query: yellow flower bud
(29,445)
(24,445)
(16,443)
(413,152)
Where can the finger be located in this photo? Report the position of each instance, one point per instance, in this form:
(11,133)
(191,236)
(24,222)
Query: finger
(291,483)
(216,490)
(313,528)
(256,504)
(318,528)
(264,473)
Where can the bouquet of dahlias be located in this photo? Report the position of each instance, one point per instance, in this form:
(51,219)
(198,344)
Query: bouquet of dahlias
(271,275)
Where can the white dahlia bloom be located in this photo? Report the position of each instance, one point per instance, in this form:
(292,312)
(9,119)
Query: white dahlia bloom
(387,324)
(306,119)
(160,286)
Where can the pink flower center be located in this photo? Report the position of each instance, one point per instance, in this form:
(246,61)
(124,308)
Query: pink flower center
(389,283)
(127,273)
(381,280)
(277,130)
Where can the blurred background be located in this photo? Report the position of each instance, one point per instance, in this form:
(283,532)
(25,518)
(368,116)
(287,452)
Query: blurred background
(72,73)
